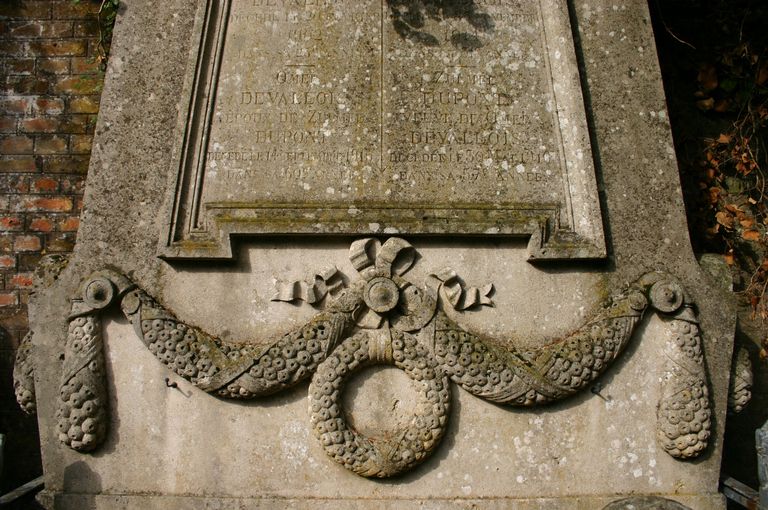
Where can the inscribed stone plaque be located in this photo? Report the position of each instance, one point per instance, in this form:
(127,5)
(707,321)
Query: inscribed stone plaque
(385,117)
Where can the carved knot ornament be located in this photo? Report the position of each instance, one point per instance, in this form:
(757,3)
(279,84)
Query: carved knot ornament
(382,319)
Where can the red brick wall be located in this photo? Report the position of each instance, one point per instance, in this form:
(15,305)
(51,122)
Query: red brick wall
(49,97)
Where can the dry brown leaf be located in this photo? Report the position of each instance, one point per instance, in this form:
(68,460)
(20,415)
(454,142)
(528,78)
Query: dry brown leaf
(762,73)
(745,167)
(707,77)
(725,139)
(705,104)
(724,219)
(732,208)
(751,235)
(729,259)
(722,105)
(747,223)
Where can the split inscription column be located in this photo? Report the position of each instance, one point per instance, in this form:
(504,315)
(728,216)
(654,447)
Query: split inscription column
(296,119)
(469,114)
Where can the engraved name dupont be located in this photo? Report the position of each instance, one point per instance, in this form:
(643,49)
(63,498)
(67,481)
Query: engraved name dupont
(385,116)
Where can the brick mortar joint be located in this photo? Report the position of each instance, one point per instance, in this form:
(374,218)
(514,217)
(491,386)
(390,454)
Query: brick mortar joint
(57,81)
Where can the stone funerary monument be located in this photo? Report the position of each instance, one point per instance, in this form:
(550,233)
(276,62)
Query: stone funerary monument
(392,254)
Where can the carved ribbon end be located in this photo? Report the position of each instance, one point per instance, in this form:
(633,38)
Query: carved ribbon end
(740,391)
(684,415)
(24,376)
(82,412)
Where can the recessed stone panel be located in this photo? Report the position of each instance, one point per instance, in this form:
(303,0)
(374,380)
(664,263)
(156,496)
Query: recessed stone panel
(492,382)
(385,117)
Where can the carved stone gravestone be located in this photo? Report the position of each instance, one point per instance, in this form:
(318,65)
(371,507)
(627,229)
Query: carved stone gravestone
(408,253)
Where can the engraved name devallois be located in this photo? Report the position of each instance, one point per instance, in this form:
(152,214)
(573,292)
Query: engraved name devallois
(375,125)
(384,117)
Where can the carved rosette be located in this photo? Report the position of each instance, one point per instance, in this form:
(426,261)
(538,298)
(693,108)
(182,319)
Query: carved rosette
(383,318)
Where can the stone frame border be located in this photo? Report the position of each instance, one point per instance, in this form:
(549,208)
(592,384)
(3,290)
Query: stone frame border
(571,230)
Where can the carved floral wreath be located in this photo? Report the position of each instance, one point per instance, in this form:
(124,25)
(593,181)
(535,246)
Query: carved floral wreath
(406,328)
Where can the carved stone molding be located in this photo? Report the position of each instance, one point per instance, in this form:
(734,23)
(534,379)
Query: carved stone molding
(646,503)
(407,329)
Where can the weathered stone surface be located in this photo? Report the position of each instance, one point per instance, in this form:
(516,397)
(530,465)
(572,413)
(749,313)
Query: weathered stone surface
(388,116)
(646,503)
(413,333)
(193,503)
(179,446)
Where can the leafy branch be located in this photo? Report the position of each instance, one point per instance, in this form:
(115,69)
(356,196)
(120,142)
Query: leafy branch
(733,177)
(107,14)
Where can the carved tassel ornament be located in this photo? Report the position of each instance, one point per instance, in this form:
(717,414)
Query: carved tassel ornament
(382,319)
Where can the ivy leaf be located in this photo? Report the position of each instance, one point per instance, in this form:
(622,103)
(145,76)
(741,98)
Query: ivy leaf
(729,84)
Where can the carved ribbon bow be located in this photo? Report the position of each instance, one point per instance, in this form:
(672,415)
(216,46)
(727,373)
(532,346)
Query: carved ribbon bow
(327,349)
(387,296)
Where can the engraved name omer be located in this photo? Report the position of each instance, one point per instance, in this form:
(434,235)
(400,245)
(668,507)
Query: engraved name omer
(384,117)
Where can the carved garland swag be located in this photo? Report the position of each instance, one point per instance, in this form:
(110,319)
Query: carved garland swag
(330,347)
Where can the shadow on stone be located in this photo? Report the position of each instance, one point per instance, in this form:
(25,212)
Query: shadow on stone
(646,503)
(79,478)
(409,19)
